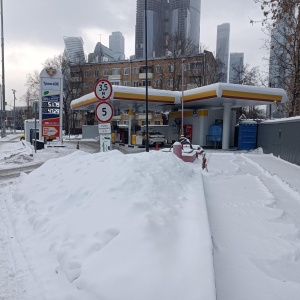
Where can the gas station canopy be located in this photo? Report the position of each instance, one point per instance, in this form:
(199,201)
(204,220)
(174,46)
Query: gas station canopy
(214,95)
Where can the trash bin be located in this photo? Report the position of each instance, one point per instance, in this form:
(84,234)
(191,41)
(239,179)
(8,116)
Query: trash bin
(39,144)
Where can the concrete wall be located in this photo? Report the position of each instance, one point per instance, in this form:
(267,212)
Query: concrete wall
(90,132)
(281,138)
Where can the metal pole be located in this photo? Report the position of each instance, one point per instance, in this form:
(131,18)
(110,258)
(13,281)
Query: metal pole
(35,109)
(146,60)
(3,132)
(182,95)
(14,92)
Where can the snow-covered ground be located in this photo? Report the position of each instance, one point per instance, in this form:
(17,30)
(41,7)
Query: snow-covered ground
(115,226)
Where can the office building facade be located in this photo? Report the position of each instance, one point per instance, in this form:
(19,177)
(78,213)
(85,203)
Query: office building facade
(74,50)
(117,45)
(236,68)
(166,18)
(222,50)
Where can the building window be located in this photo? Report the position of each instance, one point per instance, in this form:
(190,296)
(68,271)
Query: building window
(171,68)
(135,83)
(115,82)
(136,71)
(170,82)
(195,80)
(156,122)
(126,83)
(86,73)
(158,83)
(126,71)
(85,86)
(96,73)
(158,69)
(144,123)
(144,83)
(105,72)
(115,71)
(125,122)
(195,65)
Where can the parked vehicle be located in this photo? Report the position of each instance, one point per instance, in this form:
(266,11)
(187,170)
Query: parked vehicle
(154,137)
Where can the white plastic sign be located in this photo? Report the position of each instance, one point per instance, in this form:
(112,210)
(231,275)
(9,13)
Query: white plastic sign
(104,112)
(103,89)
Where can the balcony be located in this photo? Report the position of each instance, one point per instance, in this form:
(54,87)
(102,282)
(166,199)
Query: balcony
(114,77)
(116,118)
(143,75)
(142,116)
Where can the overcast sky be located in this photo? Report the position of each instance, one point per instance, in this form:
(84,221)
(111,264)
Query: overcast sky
(34,31)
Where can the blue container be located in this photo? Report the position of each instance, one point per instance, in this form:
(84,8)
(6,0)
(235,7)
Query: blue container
(247,135)
(215,133)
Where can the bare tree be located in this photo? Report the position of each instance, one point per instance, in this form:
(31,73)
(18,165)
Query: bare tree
(281,19)
(72,86)
(178,48)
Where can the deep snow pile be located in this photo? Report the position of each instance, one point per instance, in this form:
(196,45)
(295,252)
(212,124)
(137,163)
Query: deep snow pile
(114,226)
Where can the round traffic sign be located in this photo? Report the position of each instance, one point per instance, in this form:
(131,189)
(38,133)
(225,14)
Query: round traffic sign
(103,89)
(104,112)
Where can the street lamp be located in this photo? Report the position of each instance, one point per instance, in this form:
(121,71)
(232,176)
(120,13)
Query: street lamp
(14,92)
(146,61)
(3,131)
(182,94)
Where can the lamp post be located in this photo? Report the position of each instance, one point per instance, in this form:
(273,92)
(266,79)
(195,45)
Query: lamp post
(3,132)
(146,61)
(35,104)
(182,95)
(14,92)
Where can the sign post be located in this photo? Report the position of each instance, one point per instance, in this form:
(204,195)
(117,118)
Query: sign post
(103,89)
(104,113)
(51,108)
(105,137)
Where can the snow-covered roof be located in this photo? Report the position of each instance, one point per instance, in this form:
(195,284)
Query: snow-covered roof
(214,95)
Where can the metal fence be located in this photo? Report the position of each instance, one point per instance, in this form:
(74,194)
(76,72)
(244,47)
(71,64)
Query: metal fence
(281,138)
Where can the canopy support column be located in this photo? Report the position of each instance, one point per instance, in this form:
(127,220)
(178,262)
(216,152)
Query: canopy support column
(226,125)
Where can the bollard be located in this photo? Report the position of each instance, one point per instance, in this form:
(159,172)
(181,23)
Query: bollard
(77,145)
(177,149)
(156,146)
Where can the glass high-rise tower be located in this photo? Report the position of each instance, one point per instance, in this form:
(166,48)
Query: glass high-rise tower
(165,18)
(222,51)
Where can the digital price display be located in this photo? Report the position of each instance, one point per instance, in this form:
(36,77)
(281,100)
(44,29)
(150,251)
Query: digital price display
(50,111)
(51,105)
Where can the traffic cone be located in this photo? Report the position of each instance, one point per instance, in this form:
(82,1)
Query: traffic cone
(77,147)
(156,147)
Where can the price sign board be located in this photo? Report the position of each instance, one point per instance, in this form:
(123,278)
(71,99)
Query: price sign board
(103,89)
(50,104)
(104,112)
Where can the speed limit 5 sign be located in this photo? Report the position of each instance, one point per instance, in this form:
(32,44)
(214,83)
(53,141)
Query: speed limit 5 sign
(103,89)
(104,112)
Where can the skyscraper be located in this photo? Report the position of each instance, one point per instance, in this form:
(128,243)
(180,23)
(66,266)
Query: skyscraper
(279,54)
(166,18)
(222,51)
(236,69)
(117,45)
(74,50)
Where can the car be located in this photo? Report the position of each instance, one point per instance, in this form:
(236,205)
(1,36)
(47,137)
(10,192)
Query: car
(154,137)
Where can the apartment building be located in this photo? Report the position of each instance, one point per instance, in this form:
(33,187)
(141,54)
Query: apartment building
(163,73)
